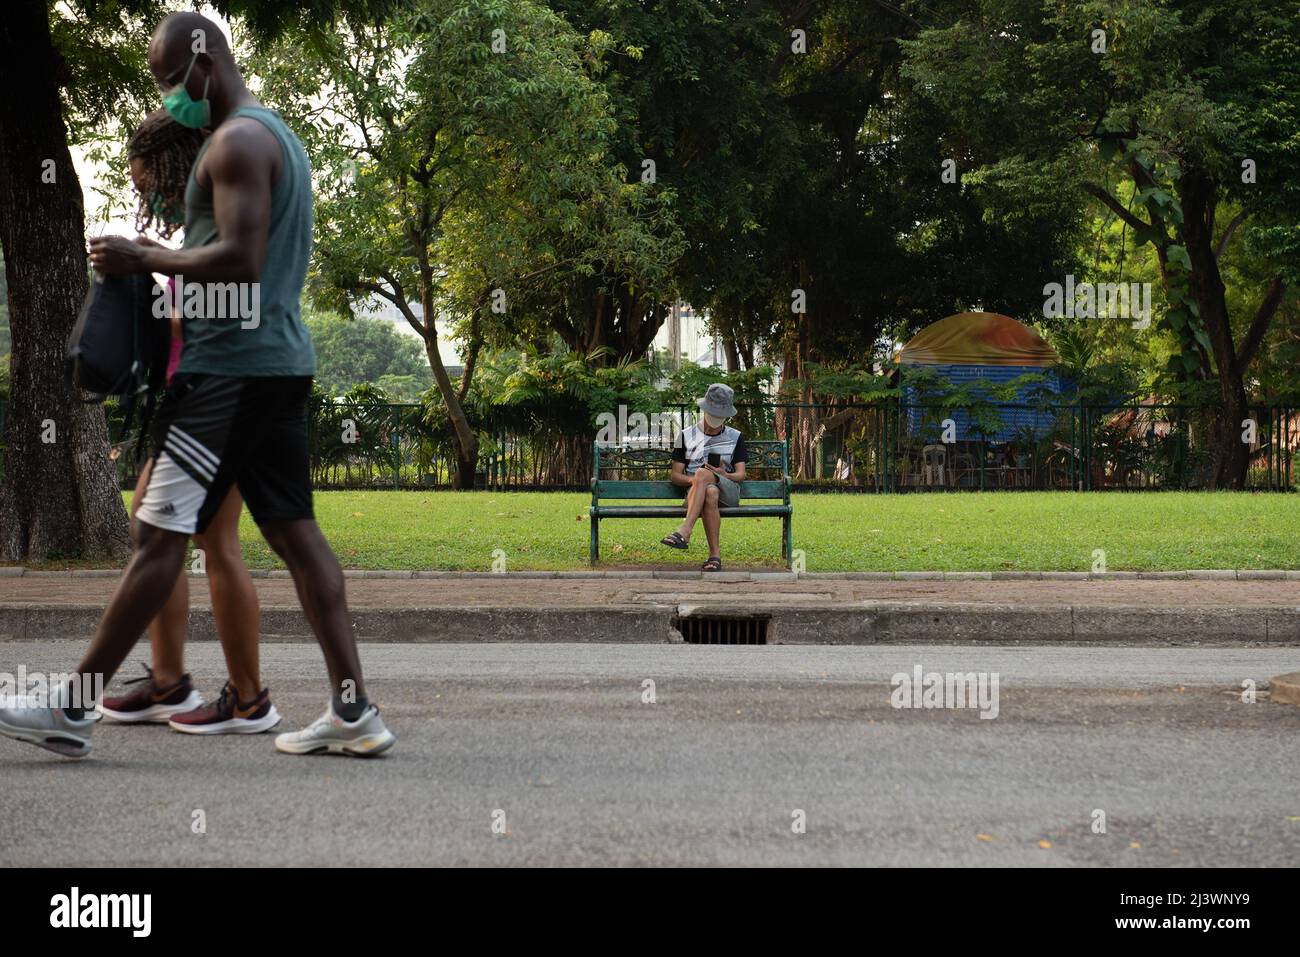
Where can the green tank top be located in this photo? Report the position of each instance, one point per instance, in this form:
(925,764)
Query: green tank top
(233,329)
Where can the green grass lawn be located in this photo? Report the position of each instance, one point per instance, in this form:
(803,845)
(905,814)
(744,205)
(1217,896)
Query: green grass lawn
(968,531)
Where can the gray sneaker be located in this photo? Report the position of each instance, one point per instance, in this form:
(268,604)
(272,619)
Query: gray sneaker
(34,721)
(363,738)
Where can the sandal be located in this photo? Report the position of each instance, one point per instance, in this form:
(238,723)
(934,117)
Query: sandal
(714,564)
(675,540)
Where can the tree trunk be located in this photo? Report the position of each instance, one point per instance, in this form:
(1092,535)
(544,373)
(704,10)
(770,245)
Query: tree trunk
(463,437)
(625,323)
(803,464)
(1232,456)
(733,354)
(59,498)
(747,353)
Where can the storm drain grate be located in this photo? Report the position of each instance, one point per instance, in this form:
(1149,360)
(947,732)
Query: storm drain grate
(703,630)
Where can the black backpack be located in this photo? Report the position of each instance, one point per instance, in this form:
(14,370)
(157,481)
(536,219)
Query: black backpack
(118,347)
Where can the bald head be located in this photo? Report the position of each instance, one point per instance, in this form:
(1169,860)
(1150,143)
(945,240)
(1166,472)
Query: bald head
(189,48)
(178,38)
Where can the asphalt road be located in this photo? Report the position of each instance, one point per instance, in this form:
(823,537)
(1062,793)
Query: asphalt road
(555,744)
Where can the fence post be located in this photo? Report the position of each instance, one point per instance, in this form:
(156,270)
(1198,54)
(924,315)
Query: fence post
(891,478)
(876,466)
(396,443)
(1085,450)
(1268,459)
(1286,441)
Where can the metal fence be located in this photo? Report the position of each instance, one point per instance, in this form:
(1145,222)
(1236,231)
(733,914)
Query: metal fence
(880,447)
(895,447)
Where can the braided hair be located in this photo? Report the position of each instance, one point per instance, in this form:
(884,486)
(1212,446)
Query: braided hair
(168,151)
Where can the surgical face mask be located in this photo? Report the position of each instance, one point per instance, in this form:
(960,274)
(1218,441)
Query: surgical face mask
(186,110)
(712,422)
(164,211)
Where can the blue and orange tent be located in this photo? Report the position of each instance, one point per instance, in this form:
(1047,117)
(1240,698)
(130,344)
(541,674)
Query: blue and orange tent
(988,346)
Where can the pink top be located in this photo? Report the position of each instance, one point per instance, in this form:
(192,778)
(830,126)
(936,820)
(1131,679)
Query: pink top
(174,357)
(174,360)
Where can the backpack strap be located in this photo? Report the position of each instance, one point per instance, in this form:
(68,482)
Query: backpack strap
(146,418)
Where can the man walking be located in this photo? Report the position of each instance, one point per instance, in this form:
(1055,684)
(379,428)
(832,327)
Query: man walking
(236,411)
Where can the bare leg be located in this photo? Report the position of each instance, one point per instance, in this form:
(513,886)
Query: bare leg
(692,493)
(167,630)
(144,589)
(701,480)
(234,598)
(712,520)
(167,635)
(319,582)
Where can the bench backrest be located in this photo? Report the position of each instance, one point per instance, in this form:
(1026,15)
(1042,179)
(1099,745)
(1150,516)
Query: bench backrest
(766,456)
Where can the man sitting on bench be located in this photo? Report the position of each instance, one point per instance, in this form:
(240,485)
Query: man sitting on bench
(709,461)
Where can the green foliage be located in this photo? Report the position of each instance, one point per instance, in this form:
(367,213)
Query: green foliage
(363,426)
(488,165)
(352,352)
(1089,373)
(554,395)
(689,382)
(462,171)
(107,88)
(817,170)
(685,386)
(842,381)
(1185,93)
(6,337)
(940,397)
(104,79)
(447,168)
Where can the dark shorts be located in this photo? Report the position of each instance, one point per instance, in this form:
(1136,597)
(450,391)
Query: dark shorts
(212,432)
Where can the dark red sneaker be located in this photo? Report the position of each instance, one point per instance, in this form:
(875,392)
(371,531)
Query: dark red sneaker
(229,715)
(150,702)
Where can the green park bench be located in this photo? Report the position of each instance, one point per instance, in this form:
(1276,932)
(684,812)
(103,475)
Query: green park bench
(766,457)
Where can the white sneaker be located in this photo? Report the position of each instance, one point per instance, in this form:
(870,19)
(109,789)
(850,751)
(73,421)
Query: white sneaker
(329,733)
(40,721)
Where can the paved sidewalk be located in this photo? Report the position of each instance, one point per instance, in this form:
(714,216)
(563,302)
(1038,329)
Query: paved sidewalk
(647,607)
(528,589)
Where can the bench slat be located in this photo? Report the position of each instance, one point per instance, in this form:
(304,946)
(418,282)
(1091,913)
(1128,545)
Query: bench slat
(625,488)
(766,454)
(669,511)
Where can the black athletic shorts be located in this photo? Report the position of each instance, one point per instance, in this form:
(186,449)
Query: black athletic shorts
(212,432)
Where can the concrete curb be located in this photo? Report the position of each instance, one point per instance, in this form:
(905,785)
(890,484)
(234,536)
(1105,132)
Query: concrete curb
(857,622)
(1198,574)
(599,623)
(1285,689)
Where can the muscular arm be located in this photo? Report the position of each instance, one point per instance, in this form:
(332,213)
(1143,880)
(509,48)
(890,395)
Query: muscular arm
(679,476)
(242,163)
